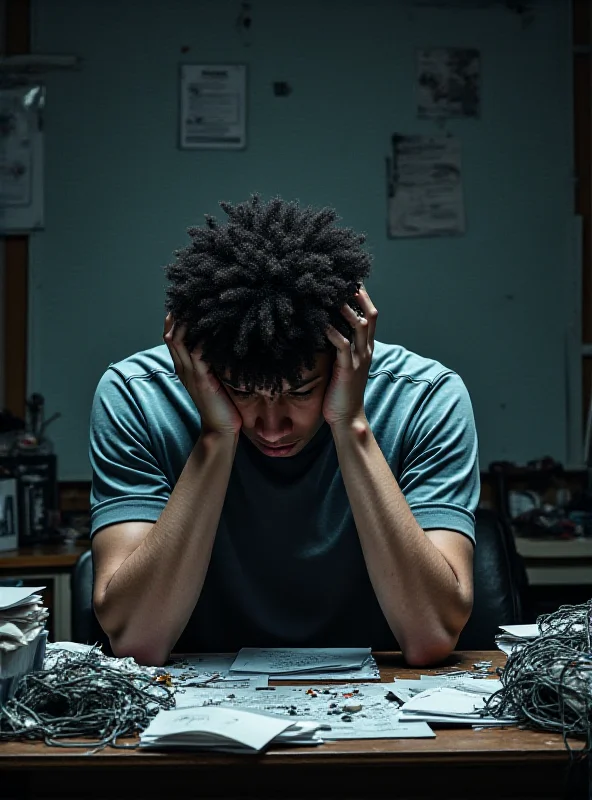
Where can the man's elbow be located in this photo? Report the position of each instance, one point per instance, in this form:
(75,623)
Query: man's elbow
(427,653)
(148,654)
(125,643)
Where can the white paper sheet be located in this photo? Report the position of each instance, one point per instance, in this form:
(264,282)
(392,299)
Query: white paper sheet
(213,106)
(13,596)
(199,726)
(479,686)
(299,660)
(425,193)
(444,705)
(378,718)
(522,631)
(211,669)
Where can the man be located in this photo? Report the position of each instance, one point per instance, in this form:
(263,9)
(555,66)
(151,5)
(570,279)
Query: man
(272,475)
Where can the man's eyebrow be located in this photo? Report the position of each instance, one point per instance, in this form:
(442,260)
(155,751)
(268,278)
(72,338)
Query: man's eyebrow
(303,382)
(293,388)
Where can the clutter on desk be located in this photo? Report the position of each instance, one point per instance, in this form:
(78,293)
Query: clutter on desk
(450,705)
(514,637)
(308,663)
(28,482)
(82,694)
(22,635)
(213,670)
(346,710)
(233,730)
(546,681)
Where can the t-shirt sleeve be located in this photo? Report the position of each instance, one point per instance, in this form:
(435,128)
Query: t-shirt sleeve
(440,469)
(127,481)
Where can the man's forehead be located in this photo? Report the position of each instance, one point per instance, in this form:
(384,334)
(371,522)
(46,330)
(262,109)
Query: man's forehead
(306,376)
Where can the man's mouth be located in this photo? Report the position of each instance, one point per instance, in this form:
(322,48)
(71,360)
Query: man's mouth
(276,450)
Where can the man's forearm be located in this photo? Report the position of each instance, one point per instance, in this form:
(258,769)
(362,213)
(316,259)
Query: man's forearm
(418,592)
(150,598)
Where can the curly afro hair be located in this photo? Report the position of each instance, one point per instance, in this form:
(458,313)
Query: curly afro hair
(259,290)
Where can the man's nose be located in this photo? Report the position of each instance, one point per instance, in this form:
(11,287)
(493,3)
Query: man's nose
(272,422)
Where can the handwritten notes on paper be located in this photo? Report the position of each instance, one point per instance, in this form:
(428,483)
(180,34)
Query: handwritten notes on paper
(331,663)
(360,711)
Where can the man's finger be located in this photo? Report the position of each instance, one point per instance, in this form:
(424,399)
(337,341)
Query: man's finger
(370,312)
(199,366)
(360,326)
(168,324)
(343,347)
(168,340)
(178,343)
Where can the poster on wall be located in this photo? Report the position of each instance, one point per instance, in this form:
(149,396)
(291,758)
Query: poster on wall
(21,159)
(213,106)
(448,82)
(425,196)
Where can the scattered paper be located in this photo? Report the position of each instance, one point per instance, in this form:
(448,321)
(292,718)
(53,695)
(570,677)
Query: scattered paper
(515,637)
(228,729)
(523,631)
(212,669)
(308,662)
(360,711)
(450,706)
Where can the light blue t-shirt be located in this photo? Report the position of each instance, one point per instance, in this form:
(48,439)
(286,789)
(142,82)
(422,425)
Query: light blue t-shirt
(287,568)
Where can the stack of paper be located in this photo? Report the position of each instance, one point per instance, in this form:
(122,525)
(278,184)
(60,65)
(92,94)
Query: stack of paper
(404,690)
(22,616)
(307,663)
(449,706)
(514,637)
(226,729)
(22,635)
(211,669)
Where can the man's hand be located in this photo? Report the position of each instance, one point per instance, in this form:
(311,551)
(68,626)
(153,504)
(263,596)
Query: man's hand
(217,411)
(344,398)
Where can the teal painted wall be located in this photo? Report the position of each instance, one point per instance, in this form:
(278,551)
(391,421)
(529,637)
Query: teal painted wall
(120,194)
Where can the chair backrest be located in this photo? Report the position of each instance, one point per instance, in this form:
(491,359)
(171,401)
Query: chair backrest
(499,578)
(85,626)
(499,583)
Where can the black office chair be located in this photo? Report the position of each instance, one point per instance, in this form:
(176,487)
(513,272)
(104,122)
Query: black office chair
(500,589)
(500,583)
(85,626)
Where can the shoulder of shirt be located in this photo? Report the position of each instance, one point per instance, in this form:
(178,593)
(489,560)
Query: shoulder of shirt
(145,364)
(391,360)
(397,363)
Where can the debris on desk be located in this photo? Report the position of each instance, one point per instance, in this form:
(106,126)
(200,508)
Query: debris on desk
(208,669)
(352,708)
(343,705)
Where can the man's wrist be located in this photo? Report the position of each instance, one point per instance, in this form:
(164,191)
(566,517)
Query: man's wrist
(356,428)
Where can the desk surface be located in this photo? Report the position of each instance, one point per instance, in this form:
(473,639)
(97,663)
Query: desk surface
(529,760)
(43,556)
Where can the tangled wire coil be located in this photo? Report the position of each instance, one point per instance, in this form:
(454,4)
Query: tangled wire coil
(84,695)
(547,684)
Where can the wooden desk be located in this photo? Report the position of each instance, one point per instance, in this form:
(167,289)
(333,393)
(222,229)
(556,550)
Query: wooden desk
(459,763)
(47,565)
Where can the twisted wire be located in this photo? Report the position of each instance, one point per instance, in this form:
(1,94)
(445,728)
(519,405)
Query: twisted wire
(83,696)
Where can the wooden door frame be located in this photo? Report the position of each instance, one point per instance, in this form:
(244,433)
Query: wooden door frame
(17,26)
